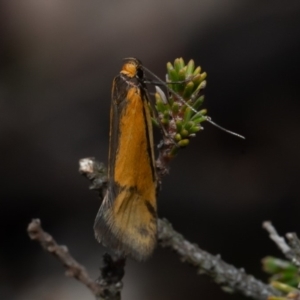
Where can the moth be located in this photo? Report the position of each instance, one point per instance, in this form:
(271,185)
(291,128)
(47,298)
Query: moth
(127,219)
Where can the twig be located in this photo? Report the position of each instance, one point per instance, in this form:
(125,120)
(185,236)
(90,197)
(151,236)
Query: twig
(109,284)
(279,241)
(96,173)
(229,277)
(164,158)
(294,243)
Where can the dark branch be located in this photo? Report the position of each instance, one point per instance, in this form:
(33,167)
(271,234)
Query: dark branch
(229,277)
(108,285)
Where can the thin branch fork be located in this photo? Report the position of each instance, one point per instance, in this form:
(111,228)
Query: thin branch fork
(291,251)
(109,284)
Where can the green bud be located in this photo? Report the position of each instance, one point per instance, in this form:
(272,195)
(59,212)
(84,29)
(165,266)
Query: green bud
(197,80)
(197,71)
(197,116)
(173,76)
(188,90)
(178,126)
(198,102)
(184,133)
(178,64)
(183,143)
(203,111)
(203,76)
(189,125)
(169,67)
(195,129)
(177,137)
(199,119)
(202,85)
(187,115)
(181,77)
(181,74)
(175,107)
(160,106)
(166,114)
(190,68)
(182,63)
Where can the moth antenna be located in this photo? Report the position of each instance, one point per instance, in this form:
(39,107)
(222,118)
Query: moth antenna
(208,119)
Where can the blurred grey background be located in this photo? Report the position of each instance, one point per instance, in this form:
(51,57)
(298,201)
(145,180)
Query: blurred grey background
(57,62)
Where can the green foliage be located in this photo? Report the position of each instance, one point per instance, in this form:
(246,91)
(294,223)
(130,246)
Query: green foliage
(281,270)
(182,119)
(284,276)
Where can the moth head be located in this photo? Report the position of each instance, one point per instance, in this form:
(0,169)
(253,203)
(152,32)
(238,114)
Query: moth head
(133,68)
